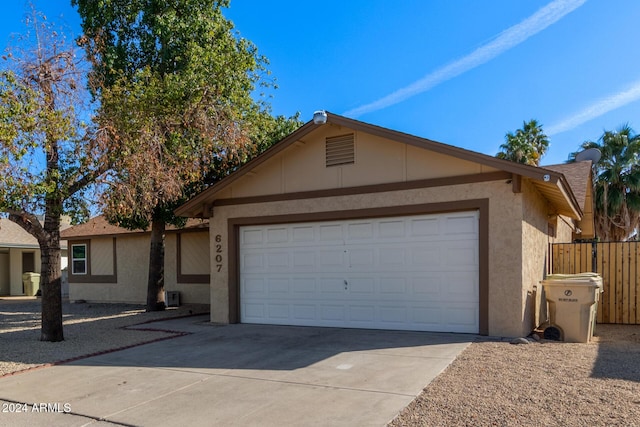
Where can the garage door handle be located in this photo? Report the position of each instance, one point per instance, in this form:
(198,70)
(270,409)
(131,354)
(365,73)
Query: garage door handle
(346,285)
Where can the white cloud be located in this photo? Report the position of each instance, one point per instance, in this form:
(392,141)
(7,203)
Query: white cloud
(509,38)
(597,109)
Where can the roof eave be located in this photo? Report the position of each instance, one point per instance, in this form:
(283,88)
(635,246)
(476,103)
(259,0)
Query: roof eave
(197,206)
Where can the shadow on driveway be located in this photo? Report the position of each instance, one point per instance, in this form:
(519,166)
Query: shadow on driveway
(244,375)
(266,347)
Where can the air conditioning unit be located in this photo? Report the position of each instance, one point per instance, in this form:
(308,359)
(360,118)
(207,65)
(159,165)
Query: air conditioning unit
(172,298)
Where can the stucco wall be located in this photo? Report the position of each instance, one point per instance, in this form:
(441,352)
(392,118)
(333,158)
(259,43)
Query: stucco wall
(102,256)
(190,293)
(301,167)
(132,261)
(537,217)
(535,244)
(15,268)
(195,253)
(506,295)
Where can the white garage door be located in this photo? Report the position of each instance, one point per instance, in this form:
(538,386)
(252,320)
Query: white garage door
(405,273)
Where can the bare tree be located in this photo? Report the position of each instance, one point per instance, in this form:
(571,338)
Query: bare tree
(49,157)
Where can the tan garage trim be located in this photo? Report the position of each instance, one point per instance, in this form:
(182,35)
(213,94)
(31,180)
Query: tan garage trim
(368,189)
(482,205)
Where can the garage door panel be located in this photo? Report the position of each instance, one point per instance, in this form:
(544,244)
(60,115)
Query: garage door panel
(331,259)
(364,314)
(251,237)
(254,311)
(393,287)
(253,287)
(304,259)
(428,317)
(362,287)
(460,257)
(427,287)
(359,231)
(303,286)
(457,287)
(361,258)
(279,311)
(332,314)
(277,260)
(457,225)
(409,273)
(395,314)
(391,229)
(251,262)
(332,287)
(461,315)
(391,256)
(331,233)
(425,227)
(304,312)
(278,286)
(303,234)
(277,235)
(426,257)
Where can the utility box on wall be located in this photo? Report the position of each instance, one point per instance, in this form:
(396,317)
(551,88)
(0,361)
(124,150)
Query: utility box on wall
(172,298)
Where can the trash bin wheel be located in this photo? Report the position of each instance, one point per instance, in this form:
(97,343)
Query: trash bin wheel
(553,333)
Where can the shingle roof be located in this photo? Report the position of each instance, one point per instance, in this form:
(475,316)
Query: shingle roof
(577,174)
(98,226)
(14,236)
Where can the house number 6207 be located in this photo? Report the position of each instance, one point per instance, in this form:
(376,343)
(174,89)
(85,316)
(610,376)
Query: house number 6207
(218,253)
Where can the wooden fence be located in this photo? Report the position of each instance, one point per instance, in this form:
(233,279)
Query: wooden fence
(619,265)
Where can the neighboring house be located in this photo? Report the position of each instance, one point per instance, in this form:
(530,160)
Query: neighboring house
(110,264)
(19,253)
(580,178)
(347,224)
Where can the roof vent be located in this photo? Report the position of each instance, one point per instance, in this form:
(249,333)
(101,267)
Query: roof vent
(320,117)
(340,150)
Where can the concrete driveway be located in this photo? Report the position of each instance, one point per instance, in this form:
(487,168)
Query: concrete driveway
(236,375)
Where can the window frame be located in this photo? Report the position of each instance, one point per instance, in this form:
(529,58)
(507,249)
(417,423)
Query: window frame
(85,259)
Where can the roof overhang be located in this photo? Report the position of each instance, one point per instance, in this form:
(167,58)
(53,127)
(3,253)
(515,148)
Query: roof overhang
(551,184)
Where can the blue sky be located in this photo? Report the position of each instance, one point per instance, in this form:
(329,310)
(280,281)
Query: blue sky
(462,72)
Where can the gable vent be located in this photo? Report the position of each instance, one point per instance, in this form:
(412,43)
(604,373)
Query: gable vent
(340,150)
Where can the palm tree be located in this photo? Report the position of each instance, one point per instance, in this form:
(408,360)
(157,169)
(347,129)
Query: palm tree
(617,184)
(526,146)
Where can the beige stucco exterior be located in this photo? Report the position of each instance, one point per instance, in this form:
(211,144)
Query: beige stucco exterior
(15,269)
(125,280)
(19,253)
(301,167)
(522,208)
(521,230)
(539,229)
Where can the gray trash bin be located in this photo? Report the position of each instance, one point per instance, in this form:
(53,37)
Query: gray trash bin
(573,304)
(31,283)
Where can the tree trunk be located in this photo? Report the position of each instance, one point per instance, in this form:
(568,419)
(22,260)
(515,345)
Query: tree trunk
(155,285)
(50,282)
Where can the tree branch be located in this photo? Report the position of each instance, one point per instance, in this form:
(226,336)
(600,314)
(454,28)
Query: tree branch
(85,180)
(29,223)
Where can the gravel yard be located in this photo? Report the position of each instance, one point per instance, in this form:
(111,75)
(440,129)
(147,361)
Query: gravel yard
(492,383)
(547,383)
(88,329)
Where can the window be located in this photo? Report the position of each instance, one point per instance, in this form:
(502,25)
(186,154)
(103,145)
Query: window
(79,259)
(93,260)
